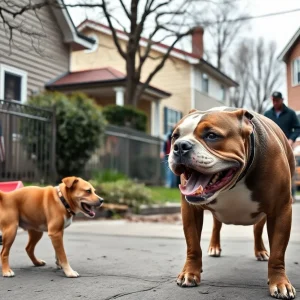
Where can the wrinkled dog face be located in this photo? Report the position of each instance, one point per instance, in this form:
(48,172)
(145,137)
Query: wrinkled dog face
(210,150)
(83,195)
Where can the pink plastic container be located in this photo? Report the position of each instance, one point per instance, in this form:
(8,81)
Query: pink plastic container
(9,186)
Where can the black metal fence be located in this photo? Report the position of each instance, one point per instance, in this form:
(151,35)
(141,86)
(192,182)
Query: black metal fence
(131,152)
(27,142)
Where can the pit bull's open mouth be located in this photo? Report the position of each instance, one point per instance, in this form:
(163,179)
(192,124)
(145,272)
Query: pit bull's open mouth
(88,209)
(200,187)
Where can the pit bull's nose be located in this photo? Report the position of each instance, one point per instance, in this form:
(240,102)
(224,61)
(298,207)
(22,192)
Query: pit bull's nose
(101,200)
(182,147)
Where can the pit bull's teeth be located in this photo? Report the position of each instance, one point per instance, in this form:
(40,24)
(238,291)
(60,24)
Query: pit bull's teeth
(215,178)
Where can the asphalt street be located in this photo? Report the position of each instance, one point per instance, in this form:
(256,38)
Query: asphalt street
(126,260)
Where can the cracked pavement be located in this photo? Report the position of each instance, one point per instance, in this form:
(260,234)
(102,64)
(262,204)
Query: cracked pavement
(128,260)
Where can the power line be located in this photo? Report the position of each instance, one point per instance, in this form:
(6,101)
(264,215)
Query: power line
(245,18)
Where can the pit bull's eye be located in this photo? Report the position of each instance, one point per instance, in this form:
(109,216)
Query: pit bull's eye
(89,191)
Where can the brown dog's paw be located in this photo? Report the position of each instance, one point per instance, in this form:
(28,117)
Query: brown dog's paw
(262,255)
(40,263)
(9,273)
(71,274)
(282,290)
(187,280)
(214,251)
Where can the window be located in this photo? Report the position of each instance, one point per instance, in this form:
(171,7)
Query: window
(204,83)
(13,83)
(171,117)
(95,46)
(222,93)
(296,71)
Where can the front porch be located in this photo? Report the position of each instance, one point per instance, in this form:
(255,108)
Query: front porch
(107,86)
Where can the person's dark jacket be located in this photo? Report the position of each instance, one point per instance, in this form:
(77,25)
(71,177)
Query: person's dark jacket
(287,121)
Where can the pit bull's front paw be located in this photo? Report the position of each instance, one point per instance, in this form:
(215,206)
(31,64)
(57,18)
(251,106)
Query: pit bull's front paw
(262,255)
(282,289)
(186,279)
(40,263)
(8,273)
(214,251)
(71,274)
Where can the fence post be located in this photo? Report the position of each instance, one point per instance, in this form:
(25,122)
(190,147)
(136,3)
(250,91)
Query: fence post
(53,147)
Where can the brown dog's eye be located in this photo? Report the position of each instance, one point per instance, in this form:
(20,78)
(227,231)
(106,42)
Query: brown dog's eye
(89,191)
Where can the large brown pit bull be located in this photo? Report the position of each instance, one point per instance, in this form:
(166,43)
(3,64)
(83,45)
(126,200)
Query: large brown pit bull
(239,166)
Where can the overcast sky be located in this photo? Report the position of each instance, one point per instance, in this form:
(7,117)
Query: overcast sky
(279,28)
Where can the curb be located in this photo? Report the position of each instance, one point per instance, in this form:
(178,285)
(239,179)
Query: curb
(158,209)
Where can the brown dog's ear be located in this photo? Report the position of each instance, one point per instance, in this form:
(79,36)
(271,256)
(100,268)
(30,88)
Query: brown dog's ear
(69,181)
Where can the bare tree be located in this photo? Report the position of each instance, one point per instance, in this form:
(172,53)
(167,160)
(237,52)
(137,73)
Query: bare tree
(223,32)
(266,74)
(258,73)
(13,16)
(240,67)
(156,20)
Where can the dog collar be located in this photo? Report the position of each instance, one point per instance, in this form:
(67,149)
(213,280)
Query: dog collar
(251,157)
(64,202)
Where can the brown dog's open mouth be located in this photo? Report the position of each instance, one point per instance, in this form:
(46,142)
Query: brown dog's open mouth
(199,186)
(88,209)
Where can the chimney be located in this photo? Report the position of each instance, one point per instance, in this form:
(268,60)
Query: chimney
(197,41)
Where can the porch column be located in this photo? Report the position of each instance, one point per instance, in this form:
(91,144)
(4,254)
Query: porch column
(155,118)
(119,95)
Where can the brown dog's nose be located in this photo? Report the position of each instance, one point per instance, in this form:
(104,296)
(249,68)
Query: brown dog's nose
(101,200)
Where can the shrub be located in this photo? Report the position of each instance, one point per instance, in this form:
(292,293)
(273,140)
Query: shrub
(124,192)
(79,128)
(108,176)
(125,116)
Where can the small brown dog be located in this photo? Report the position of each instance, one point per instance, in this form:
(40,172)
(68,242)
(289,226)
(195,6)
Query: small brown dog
(51,209)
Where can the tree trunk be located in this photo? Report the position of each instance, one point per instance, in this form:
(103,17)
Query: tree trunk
(132,46)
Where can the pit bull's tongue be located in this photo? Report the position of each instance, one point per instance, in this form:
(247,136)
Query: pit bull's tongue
(194,182)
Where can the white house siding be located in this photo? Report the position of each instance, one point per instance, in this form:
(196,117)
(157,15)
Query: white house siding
(204,102)
(49,59)
(214,95)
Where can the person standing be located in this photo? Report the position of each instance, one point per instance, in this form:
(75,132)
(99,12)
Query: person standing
(171,179)
(286,119)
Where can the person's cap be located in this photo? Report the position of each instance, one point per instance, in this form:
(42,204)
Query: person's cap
(277,95)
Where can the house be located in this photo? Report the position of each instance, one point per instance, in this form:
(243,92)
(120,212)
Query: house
(186,81)
(30,60)
(291,56)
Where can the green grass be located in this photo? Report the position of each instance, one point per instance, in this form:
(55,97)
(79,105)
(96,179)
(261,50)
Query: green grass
(163,195)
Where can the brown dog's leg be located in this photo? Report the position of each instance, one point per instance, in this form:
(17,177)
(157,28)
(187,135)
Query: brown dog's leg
(34,237)
(57,242)
(8,236)
(279,228)
(259,248)
(214,248)
(192,217)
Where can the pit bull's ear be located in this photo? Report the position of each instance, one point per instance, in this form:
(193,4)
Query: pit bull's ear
(245,116)
(191,111)
(69,181)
